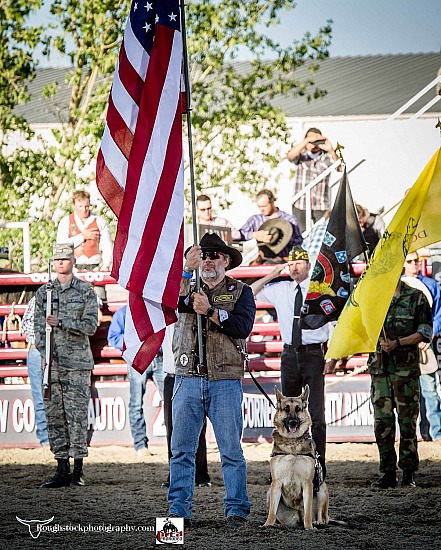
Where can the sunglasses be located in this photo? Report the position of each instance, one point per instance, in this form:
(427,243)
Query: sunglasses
(413,262)
(211,255)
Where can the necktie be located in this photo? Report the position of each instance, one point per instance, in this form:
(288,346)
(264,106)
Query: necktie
(296,339)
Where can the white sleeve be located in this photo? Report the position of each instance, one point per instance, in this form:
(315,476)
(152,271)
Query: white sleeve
(105,242)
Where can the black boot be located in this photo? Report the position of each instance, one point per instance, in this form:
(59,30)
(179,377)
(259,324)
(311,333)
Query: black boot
(388,481)
(408,479)
(62,476)
(77,474)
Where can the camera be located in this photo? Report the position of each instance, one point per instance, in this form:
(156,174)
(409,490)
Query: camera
(318,142)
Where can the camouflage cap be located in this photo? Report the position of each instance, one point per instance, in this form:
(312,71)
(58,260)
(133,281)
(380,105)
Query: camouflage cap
(63,252)
(298,253)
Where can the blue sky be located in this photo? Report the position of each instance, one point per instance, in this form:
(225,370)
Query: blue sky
(361,27)
(368,27)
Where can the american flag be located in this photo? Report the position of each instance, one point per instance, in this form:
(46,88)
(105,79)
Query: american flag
(140,173)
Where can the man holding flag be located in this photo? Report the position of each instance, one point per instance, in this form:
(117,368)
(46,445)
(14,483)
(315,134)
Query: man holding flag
(394,369)
(211,385)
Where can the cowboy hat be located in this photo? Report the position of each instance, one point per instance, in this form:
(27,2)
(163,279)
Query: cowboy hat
(281,233)
(211,242)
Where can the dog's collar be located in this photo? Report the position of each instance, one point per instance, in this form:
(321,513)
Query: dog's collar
(275,453)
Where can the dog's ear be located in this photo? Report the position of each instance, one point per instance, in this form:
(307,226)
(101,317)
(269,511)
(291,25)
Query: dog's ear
(279,395)
(305,394)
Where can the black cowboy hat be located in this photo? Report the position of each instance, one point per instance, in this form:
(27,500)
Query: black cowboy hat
(281,233)
(211,242)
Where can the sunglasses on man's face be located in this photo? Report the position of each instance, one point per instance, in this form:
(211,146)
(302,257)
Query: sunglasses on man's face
(211,255)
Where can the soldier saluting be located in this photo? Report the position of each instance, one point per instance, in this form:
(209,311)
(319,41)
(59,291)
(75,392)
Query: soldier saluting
(73,319)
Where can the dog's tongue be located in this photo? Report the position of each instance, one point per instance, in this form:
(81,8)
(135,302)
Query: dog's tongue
(292,429)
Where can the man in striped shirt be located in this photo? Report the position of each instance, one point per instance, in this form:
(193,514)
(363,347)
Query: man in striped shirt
(312,156)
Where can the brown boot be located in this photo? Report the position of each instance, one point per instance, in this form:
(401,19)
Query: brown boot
(62,477)
(77,474)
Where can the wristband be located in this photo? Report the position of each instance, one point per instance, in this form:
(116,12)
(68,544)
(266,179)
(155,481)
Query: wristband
(187,269)
(398,343)
(187,275)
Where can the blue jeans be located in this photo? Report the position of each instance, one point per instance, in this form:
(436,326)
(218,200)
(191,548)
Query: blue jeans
(195,399)
(35,373)
(138,383)
(430,390)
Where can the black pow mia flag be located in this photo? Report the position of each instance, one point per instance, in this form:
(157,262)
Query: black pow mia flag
(329,287)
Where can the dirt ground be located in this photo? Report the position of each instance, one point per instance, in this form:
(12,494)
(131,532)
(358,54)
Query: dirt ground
(123,497)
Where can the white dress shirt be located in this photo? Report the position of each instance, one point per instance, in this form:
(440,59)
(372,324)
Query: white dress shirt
(281,294)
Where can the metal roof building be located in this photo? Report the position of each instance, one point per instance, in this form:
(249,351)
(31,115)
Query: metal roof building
(368,85)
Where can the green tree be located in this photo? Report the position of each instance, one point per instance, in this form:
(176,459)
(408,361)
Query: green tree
(39,181)
(18,39)
(238,134)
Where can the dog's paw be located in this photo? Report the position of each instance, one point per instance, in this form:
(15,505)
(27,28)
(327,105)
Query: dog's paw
(268,524)
(318,525)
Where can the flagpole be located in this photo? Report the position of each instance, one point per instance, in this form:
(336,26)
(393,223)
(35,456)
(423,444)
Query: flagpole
(191,163)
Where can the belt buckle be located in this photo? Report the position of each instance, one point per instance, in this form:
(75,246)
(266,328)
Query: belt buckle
(200,371)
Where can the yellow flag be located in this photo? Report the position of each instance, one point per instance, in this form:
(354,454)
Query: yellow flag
(416,224)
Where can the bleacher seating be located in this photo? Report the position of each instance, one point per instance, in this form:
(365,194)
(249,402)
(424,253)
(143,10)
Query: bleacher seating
(264,345)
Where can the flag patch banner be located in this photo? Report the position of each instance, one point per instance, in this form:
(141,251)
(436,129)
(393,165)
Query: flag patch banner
(330,280)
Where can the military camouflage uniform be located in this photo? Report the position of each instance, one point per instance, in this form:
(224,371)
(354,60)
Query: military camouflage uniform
(395,380)
(77,308)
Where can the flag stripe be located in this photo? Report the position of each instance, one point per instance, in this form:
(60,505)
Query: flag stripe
(129,77)
(149,156)
(124,103)
(158,229)
(114,158)
(108,186)
(140,174)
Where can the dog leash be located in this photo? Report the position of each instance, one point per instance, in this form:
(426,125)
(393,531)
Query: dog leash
(247,368)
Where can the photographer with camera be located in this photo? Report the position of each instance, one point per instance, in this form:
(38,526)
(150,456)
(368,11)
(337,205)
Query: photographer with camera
(312,156)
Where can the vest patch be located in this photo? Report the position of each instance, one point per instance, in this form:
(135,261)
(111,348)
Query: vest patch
(222,298)
(232,286)
(183,359)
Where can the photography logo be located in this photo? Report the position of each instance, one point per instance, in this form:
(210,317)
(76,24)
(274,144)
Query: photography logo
(34,525)
(169,530)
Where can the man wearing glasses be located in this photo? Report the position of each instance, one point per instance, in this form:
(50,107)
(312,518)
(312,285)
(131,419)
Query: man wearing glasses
(210,386)
(205,216)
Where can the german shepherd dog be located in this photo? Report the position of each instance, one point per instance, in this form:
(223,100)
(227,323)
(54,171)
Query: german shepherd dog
(293,500)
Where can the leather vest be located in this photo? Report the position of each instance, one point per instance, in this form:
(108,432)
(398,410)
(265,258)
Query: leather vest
(223,358)
(90,247)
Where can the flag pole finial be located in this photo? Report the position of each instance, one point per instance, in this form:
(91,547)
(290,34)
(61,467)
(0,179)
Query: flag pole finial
(339,153)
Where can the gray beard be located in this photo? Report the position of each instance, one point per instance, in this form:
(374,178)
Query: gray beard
(209,275)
